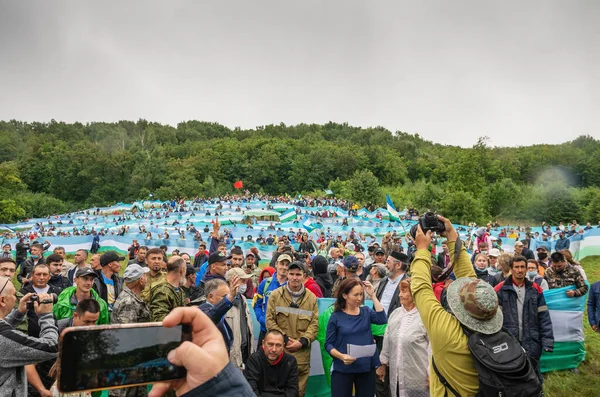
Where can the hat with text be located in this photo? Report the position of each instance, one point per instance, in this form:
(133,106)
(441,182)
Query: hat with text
(475,304)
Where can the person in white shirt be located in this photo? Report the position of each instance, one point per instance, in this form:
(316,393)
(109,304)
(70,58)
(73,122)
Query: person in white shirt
(406,350)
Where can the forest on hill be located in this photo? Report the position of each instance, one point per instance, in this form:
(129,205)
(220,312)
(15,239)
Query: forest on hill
(55,167)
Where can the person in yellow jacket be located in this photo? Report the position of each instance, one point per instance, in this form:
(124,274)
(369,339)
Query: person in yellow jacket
(293,310)
(471,303)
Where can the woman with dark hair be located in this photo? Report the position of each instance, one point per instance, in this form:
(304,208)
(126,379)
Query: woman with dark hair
(349,332)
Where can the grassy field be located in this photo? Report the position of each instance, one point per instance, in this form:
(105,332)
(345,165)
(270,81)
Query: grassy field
(587,382)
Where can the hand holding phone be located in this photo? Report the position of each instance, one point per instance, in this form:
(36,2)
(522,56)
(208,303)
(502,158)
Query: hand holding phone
(112,356)
(203,358)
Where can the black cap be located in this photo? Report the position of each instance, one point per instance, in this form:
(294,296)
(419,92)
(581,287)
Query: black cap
(399,256)
(109,257)
(218,256)
(379,251)
(297,265)
(86,271)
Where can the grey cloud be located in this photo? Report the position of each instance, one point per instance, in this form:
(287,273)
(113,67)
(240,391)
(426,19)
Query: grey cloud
(519,72)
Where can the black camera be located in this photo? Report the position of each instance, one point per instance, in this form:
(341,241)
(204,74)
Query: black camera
(36,298)
(428,221)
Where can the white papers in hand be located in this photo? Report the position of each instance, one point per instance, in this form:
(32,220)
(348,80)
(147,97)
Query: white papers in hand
(357,351)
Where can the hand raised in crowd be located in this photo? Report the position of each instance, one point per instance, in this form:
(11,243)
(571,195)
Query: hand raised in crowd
(203,358)
(423,240)
(449,233)
(234,284)
(368,288)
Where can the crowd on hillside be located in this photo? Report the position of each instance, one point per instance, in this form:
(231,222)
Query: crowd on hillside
(432,301)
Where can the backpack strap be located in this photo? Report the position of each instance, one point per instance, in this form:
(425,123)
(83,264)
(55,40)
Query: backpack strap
(443,380)
(267,285)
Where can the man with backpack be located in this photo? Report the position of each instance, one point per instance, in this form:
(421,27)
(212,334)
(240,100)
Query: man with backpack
(467,342)
(526,315)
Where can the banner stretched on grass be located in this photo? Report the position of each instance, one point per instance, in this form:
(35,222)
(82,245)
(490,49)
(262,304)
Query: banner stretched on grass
(567,326)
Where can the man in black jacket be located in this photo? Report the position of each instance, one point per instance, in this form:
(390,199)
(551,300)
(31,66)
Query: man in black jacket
(526,315)
(55,263)
(40,275)
(21,248)
(36,258)
(108,284)
(219,299)
(270,371)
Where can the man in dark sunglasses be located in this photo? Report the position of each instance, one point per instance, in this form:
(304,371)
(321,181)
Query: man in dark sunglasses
(18,349)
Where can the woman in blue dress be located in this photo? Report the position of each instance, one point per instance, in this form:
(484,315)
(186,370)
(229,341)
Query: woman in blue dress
(349,333)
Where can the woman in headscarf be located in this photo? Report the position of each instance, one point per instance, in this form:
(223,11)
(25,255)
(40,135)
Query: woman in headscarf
(405,352)
(322,276)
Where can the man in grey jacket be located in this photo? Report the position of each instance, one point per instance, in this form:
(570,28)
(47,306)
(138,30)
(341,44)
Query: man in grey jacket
(17,348)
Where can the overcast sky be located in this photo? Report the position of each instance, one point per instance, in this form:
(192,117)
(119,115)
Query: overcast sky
(451,71)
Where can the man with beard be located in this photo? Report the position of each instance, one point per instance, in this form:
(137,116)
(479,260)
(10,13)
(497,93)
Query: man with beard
(57,280)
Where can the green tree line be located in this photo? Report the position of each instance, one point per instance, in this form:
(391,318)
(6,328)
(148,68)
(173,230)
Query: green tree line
(54,167)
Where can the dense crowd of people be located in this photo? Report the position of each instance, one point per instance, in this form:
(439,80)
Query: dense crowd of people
(432,302)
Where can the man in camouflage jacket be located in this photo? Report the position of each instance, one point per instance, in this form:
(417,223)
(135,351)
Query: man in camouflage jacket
(562,274)
(131,308)
(168,295)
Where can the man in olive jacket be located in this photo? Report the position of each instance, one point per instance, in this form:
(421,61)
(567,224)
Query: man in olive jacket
(293,311)
(168,295)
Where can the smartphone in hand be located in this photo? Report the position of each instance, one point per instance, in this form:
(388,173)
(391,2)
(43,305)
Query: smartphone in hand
(120,355)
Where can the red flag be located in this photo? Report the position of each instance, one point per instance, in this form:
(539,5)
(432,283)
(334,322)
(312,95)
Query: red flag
(238,185)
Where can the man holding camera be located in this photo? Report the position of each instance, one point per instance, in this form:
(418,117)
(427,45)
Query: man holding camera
(39,285)
(18,349)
